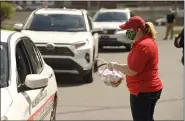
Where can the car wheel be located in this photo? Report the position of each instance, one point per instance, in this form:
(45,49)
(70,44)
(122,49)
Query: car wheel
(163,23)
(100,47)
(95,61)
(88,78)
(128,47)
(53,113)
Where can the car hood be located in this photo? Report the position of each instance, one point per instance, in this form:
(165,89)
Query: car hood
(107,25)
(6,101)
(56,37)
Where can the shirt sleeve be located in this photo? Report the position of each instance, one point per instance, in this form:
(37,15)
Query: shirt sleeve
(138,59)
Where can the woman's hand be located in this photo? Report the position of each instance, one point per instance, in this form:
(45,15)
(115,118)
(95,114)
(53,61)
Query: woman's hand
(111,65)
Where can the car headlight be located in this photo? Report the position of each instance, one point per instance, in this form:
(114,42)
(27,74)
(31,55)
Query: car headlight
(120,31)
(4,118)
(80,44)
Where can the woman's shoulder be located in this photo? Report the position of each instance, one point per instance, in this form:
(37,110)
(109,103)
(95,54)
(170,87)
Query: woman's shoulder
(146,42)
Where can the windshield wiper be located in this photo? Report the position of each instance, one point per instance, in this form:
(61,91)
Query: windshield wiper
(37,30)
(76,29)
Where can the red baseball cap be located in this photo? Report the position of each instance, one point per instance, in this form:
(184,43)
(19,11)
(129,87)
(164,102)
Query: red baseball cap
(134,22)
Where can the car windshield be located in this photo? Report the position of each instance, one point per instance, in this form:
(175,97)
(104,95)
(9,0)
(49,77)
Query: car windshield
(111,17)
(57,22)
(3,65)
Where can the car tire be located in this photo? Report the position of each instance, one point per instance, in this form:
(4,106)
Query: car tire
(128,47)
(163,23)
(53,112)
(95,66)
(100,47)
(88,78)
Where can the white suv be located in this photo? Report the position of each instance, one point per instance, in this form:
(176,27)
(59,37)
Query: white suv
(109,20)
(65,38)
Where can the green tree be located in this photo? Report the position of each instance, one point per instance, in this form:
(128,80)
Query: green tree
(6,11)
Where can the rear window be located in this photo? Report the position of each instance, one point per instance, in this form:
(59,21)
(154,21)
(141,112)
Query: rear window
(111,17)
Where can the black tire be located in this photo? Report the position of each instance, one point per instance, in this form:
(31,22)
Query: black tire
(53,113)
(88,78)
(100,47)
(95,66)
(163,23)
(128,47)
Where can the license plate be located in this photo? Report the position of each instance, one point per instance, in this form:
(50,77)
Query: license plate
(105,37)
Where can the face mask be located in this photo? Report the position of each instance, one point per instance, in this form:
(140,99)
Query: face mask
(131,34)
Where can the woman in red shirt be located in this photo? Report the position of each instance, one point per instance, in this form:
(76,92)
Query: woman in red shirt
(141,70)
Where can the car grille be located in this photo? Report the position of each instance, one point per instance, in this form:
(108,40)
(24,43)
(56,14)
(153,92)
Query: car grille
(107,31)
(56,51)
(62,64)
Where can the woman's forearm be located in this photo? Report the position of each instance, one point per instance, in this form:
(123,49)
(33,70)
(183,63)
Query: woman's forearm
(124,69)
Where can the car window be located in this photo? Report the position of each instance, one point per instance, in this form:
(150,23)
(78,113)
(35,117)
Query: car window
(111,17)
(3,65)
(22,62)
(34,55)
(57,22)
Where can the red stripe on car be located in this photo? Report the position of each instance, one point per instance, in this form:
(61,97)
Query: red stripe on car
(50,99)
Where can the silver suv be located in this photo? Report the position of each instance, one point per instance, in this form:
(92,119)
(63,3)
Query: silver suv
(109,20)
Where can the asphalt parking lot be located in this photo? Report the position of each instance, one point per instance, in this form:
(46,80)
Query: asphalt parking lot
(95,101)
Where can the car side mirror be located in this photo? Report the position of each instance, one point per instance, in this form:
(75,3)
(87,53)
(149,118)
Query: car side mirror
(18,27)
(36,81)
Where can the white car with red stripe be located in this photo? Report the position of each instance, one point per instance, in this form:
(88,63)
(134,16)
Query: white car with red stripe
(27,84)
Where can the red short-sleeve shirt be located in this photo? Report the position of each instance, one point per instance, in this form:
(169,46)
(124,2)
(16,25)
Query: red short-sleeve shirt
(143,58)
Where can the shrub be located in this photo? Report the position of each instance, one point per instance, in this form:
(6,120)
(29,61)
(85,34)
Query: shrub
(6,11)
(7,28)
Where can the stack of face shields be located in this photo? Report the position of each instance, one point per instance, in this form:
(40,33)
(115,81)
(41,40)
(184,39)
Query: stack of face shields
(111,78)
